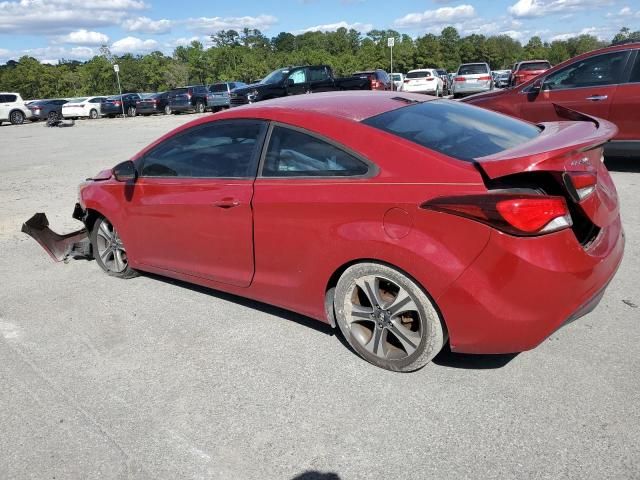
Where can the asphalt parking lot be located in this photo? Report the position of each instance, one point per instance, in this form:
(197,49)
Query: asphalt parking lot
(153,379)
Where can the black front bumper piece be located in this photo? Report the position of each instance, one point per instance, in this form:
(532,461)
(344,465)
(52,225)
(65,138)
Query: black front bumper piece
(59,247)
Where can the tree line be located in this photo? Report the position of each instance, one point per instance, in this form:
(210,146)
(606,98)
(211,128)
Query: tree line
(248,55)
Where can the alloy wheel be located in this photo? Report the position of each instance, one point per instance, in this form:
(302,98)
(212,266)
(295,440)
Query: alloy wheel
(93,114)
(16,118)
(384,318)
(110,248)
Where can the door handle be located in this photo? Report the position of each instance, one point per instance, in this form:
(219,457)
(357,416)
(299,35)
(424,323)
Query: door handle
(597,98)
(226,203)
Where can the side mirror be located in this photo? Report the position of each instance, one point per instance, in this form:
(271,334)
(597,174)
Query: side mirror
(537,85)
(125,172)
(290,82)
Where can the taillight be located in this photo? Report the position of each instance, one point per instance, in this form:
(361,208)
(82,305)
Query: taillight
(429,79)
(406,80)
(487,77)
(580,184)
(459,79)
(117,103)
(516,214)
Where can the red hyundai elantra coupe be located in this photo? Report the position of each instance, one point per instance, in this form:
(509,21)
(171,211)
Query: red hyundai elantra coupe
(403,219)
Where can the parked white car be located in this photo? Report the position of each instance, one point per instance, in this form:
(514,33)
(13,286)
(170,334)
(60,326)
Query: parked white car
(423,80)
(398,81)
(13,108)
(85,107)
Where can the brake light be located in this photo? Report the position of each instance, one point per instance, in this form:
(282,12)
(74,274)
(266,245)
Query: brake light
(459,79)
(516,214)
(580,184)
(429,79)
(486,77)
(375,83)
(406,80)
(117,103)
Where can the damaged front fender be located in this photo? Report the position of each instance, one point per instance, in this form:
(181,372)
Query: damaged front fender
(59,247)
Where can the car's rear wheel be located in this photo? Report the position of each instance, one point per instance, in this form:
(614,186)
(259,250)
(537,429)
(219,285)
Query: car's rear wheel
(16,117)
(387,318)
(109,251)
(131,111)
(167,110)
(93,114)
(52,117)
(200,107)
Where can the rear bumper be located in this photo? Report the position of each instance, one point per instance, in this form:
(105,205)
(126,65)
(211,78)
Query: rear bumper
(182,107)
(460,88)
(142,109)
(112,110)
(519,291)
(420,88)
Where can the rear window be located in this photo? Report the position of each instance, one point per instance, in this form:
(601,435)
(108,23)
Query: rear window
(473,69)
(455,129)
(218,87)
(418,74)
(535,66)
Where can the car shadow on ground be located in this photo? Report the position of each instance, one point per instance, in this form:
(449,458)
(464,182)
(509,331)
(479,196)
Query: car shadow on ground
(315,475)
(446,358)
(622,164)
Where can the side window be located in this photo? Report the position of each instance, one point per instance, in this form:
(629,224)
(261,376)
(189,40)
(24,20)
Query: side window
(295,154)
(599,70)
(214,150)
(317,74)
(95,100)
(10,98)
(299,76)
(635,72)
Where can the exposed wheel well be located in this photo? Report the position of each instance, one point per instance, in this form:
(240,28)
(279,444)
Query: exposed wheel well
(335,276)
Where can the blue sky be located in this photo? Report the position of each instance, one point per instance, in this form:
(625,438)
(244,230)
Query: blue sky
(74,29)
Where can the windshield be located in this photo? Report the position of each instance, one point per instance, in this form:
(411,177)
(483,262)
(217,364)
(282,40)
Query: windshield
(276,76)
(535,66)
(396,76)
(218,87)
(455,129)
(473,69)
(418,74)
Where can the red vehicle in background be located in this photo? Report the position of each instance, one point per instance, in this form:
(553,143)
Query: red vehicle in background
(380,80)
(604,83)
(524,71)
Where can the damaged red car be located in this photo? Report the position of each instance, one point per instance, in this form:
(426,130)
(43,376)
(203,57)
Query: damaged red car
(404,220)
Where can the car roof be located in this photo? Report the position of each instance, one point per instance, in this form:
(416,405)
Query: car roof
(422,70)
(355,105)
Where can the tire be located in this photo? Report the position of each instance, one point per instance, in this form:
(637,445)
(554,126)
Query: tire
(16,117)
(109,251)
(131,111)
(52,117)
(93,114)
(200,107)
(387,318)
(167,110)
(456,95)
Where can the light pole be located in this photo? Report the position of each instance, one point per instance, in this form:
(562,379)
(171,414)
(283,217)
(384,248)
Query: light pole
(390,43)
(116,68)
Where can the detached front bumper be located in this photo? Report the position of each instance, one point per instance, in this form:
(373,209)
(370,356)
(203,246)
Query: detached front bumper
(59,247)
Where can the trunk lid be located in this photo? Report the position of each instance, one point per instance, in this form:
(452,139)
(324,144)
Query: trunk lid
(563,151)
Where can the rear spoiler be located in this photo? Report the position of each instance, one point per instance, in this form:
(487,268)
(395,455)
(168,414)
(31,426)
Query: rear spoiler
(574,115)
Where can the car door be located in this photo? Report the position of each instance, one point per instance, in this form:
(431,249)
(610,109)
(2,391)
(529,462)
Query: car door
(587,85)
(626,102)
(4,109)
(190,209)
(297,82)
(320,79)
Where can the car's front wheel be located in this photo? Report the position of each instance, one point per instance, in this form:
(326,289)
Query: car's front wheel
(93,114)
(131,112)
(109,250)
(387,318)
(167,110)
(200,107)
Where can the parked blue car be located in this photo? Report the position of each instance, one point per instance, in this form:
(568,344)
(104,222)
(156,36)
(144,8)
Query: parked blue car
(218,96)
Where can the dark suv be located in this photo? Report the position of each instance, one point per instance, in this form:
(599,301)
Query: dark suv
(379,79)
(192,98)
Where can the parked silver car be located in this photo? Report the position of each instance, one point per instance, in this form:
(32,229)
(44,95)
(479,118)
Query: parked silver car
(218,94)
(472,78)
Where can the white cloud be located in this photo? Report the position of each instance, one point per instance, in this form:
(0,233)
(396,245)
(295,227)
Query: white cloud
(50,54)
(601,33)
(133,45)
(332,27)
(539,8)
(146,25)
(84,37)
(185,41)
(209,25)
(441,15)
(62,16)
